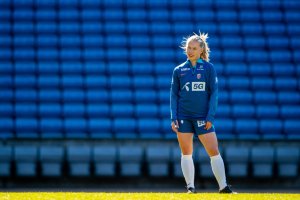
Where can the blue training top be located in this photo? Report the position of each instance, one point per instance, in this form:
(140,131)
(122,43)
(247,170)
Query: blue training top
(194,91)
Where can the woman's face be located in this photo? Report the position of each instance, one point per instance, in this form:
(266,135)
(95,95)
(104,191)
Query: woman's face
(193,50)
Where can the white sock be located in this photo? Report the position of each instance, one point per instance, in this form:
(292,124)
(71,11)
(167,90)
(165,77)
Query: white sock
(188,170)
(218,169)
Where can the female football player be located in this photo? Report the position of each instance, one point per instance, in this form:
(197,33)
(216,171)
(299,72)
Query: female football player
(194,96)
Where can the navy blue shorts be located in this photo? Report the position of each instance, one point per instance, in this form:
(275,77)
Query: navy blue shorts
(194,126)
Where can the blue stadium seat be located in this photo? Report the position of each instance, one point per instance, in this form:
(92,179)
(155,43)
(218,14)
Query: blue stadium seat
(92,40)
(48,68)
(105,159)
(286,84)
(239,82)
(265,97)
(92,27)
(7,127)
(291,128)
(260,69)
(70,95)
(24,81)
(143,82)
(100,128)
(131,158)
(288,97)
(127,96)
(51,128)
(120,110)
(164,68)
(240,111)
(231,43)
(204,169)
(51,158)
(237,159)
(146,110)
(6,68)
(278,43)
(141,54)
(96,82)
(6,110)
(229,28)
(164,110)
(23,40)
(227,15)
(118,68)
(92,54)
(25,110)
(94,110)
(223,111)
(287,159)
(6,158)
(167,132)
(26,127)
(274,29)
(46,14)
(72,81)
(281,56)
(75,110)
(120,82)
(234,55)
(241,96)
(160,27)
(254,42)
(223,97)
(49,96)
(79,158)
(273,15)
(283,69)
(236,68)
(137,28)
(262,159)
(175,160)
(290,112)
(149,127)
(225,128)
(65,27)
(262,83)
(94,68)
(158,159)
(26,158)
(47,54)
(136,14)
(46,27)
(266,111)
(25,67)
(125,128)
(75,127)
(271,129)
(69,41)
(142,96)
(247,129)
(259,56)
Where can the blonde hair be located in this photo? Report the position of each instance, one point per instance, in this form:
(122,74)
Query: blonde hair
(201,39)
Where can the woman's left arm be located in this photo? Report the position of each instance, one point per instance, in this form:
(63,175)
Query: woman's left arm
(213,90)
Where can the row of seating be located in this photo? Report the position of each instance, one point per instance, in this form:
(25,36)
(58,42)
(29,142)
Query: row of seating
(102,160)
(127,110)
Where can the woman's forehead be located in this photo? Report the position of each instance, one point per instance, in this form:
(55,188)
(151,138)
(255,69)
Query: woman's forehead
(193,43)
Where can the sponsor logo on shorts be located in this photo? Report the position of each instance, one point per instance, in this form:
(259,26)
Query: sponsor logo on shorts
(200,123)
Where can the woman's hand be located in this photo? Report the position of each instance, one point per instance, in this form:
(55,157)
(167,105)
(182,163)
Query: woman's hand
(175,126)
(208,125)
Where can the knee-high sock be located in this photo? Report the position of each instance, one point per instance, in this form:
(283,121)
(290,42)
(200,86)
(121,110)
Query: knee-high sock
(188,170)
(218,169)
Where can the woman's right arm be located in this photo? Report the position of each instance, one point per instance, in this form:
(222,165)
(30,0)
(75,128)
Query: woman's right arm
(174,95)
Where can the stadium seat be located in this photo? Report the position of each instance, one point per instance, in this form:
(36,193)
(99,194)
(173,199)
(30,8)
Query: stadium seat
(287,159)
(158,159)
(51,128)
(79,158)
(240,111)
(52,159)
(271,129)
(176,160)
(241,96)
(6,158)
(75,127)
(237,159)
(290,112)
(262,159)
(100,128)
(105,157)
(247,129)
(262,84)
(267,111)
(291,128)
(130,158)
(125,128)
(26,158)
(225,128)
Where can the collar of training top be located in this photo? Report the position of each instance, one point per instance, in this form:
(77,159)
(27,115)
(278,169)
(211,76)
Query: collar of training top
(198,61)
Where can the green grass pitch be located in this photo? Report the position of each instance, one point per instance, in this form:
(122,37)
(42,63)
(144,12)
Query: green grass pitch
(143,196)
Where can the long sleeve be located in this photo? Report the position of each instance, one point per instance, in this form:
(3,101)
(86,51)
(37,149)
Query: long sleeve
(213,100)
(174,95)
